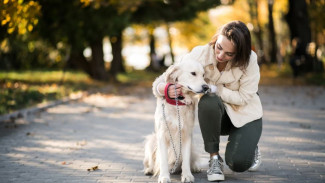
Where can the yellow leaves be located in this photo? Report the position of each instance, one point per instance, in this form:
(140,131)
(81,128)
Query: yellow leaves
(31,3)
(30,27)
(19,16)
(10,30)
(4,46)
(85,2)
(3,22)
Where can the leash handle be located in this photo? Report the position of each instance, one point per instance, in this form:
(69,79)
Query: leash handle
(172,101)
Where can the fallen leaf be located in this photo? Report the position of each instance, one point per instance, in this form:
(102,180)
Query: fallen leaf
(92,168)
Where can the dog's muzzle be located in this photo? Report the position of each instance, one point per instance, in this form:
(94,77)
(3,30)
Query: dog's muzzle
(206,89)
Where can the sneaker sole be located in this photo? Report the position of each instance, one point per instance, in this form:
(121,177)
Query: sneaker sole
(216,177)
(255,168)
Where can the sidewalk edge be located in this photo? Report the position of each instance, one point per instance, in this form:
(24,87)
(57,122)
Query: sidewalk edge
(40,107)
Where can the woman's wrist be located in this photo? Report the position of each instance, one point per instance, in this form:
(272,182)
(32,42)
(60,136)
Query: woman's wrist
(213,88)
(161,88)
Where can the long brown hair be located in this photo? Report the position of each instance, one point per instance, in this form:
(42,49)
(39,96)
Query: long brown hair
(238,33)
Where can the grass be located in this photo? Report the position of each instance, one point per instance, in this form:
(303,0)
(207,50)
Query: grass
(140,77)
(21,89)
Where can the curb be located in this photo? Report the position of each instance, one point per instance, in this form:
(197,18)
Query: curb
(23,113)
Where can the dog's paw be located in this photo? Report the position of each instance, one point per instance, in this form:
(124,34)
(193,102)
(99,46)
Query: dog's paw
(164,179)
(195,169)
(187,101)
(187,177)
(148,171)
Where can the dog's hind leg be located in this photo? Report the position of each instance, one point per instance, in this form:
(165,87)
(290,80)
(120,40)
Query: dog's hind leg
(149,154)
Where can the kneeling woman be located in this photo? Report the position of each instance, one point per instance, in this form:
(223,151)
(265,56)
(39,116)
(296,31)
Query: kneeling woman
(233,106)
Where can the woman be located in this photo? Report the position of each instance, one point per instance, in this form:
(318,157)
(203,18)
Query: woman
(233,106)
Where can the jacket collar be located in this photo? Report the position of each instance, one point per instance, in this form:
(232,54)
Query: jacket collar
(226,76)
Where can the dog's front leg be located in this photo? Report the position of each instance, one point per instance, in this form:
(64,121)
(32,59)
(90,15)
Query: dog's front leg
(164,176)
(186,164)
(187,100)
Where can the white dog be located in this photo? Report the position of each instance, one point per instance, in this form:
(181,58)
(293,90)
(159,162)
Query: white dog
(159,152)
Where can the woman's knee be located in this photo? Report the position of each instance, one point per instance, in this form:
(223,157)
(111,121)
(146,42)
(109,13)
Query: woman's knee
(239,163)
(210,101)
(209,109)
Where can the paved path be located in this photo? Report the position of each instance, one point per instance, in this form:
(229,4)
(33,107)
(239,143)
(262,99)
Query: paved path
(107,131)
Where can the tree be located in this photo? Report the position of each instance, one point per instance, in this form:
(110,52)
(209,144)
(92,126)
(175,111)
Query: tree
(272,35)
(257,31)
(299,26)
(316,11)
(62,21)
(82,24)
(18,19)
(18,16)
(169,11)
(197,32)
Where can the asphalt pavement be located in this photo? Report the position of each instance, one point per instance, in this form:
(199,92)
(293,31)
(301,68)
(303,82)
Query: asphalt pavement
(100,139)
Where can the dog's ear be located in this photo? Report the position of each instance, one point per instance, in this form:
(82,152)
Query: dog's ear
(171,74)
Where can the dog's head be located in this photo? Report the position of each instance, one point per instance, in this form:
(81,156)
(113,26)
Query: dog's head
(188,73)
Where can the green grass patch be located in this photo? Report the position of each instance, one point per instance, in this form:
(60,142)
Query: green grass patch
(140,77)
(21,89)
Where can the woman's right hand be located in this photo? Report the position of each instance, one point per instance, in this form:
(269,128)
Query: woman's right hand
(171,90)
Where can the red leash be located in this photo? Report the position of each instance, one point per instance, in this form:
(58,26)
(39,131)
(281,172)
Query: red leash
(169,100)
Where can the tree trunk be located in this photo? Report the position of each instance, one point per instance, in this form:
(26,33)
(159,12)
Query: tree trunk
(153,54)
(117,62)
(78,61)
(298,22)
(272,36)
(253,11)
(170,44)
(97,64)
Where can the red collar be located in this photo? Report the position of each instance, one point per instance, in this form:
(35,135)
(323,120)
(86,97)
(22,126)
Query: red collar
(169,100)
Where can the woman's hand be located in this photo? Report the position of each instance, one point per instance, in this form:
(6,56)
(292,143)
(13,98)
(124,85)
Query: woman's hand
(171,90)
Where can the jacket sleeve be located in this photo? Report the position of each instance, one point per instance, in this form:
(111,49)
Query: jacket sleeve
(157,81)
(248,85)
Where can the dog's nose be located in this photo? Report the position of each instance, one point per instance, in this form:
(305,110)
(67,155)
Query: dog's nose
(205,87)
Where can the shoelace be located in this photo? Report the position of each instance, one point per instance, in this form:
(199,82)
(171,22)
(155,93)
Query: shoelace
(216,166)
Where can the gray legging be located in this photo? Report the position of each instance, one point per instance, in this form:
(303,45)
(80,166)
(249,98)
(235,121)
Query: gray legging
(242,141)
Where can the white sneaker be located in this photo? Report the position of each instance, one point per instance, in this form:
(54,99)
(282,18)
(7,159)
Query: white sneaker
(215,171)
(257,160)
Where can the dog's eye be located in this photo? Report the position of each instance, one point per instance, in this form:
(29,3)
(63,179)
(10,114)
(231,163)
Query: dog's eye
(203,75)
(193,73)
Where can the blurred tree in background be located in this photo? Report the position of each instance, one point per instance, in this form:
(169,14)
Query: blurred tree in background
(55,34)
(18,19)
(166,12)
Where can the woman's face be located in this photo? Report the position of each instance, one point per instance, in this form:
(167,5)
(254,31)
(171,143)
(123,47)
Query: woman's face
(224,49)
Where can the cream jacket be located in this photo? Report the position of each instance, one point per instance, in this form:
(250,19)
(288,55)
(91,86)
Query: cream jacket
(237,88)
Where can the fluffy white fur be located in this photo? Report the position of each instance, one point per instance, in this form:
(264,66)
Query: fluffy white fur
(159,155)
